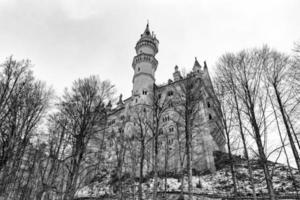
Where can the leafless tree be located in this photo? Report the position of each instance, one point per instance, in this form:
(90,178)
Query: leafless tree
(185,103)
(246,73)
(280,77)
(227,108)
(225,78)
(158,107)
(23,103)
(140,129)
(84,109)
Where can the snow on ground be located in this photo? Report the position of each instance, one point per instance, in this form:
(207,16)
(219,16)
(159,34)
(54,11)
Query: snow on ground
(219,182)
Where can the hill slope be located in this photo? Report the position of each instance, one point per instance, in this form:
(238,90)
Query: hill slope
(206,183)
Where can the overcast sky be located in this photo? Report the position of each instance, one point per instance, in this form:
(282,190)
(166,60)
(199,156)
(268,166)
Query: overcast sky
(70,39)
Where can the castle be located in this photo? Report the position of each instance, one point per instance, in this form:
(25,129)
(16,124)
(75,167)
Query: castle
(165,110)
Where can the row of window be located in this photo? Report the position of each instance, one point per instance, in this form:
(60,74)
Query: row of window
(169,142)
(166,118)
(171,129)
(113,121)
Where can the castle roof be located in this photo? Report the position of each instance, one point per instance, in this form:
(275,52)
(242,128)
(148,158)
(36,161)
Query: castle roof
(147,30)
(196,64)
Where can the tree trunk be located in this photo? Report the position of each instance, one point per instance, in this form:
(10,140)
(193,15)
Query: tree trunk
(244,143)
(232,168)
(155,166)
(284,149)
(189,166)
(286,124)
(166,164)
(141,169)
(261,152)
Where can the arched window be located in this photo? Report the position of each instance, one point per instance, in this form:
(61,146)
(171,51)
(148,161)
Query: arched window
(166,118)
(160,131)
(209,117)
(208,104)
(170,93)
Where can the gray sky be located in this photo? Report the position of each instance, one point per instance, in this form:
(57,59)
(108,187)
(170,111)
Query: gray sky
(76,38)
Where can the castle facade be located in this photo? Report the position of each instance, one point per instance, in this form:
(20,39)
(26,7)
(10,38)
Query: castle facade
(164,114)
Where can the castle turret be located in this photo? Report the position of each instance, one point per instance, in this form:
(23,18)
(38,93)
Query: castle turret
(144,63)
(197,66)
(176,75)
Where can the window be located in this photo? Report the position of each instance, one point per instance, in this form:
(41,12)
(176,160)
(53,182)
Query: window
(121,130)
(209,117)
(122,117)
(170,141)
(111,122)
(171,129)
(170,93)
(166,118)
(136,100)
(208,104)
(144,109)
(145,92)
(139,69)
(170,105)
(159,96)
(160,132)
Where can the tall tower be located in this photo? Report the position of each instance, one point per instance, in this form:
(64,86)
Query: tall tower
(144,63)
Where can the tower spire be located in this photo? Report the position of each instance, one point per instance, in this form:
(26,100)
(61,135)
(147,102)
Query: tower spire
(196,63)
(147,30)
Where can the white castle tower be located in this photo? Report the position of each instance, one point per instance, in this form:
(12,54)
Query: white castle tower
(144,63)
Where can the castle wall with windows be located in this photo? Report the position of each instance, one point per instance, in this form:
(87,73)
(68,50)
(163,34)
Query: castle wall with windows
(133,119)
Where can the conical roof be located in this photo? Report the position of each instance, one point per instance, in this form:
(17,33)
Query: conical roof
(147,31)
(196,64)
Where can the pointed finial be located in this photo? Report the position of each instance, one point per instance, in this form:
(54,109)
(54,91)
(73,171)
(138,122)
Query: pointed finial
(147,31)
(120,100)
(196,63)
(176,68)
(109,105)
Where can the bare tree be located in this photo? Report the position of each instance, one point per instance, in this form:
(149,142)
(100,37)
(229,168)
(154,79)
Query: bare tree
(23,103)
(225,78)
(279,75)
(83,108)
(187,95)
(227,109)
(246,73)
(140,129)
(158,108)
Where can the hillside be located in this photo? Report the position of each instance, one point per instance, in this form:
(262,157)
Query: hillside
(215,184)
